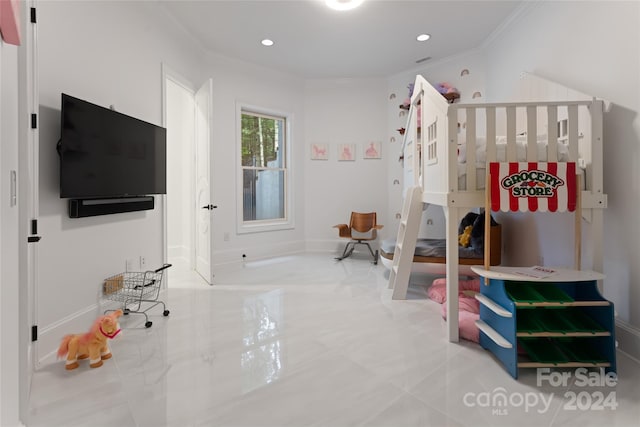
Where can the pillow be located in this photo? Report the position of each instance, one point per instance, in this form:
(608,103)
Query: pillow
(438,289)
(477,232)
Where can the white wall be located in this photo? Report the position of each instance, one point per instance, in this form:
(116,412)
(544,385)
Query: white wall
(344,112)
(107,53)
(591,47)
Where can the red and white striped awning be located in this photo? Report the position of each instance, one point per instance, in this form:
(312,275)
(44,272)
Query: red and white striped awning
(533,186)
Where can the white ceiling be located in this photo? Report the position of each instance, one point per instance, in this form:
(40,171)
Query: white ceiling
(376,40)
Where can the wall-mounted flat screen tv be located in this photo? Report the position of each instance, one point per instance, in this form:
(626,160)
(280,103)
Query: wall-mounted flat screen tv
(104,153)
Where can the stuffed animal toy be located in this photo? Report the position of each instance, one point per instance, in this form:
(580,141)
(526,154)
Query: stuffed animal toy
(465,238)
(475,237)
(407,102)
(445,88)
(93,344)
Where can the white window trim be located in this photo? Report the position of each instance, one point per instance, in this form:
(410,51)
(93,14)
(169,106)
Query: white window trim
(259,226)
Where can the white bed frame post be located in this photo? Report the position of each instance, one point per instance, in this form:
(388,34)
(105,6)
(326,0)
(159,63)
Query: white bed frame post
(597,236)
(595,187)
(452,218)
(453,215)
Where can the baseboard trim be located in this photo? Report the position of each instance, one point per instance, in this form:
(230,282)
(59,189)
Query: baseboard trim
(332,245)
(254,253)
(628,337)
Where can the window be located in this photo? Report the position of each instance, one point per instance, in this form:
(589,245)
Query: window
(264,171)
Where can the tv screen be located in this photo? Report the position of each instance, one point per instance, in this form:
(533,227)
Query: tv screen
(104,153)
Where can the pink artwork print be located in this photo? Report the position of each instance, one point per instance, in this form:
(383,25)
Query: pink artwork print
(372,151)
(319,152)
(346,152)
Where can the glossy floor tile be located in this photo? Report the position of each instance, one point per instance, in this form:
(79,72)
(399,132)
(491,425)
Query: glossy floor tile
(307,341)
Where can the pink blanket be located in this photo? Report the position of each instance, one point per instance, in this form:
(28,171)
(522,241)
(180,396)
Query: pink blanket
(469,307)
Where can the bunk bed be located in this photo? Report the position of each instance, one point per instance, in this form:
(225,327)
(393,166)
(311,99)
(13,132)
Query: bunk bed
(448,146)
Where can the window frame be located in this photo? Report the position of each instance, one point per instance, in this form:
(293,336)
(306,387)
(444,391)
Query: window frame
(257,226)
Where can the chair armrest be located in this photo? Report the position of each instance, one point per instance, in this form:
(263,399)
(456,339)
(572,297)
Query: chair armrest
(343,230)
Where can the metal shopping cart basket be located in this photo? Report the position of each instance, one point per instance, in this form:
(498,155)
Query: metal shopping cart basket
(133,289)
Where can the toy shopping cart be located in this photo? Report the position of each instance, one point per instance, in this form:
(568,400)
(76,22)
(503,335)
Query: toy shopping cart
(133,289)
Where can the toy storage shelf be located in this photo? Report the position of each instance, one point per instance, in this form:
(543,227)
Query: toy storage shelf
(559,321)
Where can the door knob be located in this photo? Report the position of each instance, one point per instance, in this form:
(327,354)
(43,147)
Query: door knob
(209,207)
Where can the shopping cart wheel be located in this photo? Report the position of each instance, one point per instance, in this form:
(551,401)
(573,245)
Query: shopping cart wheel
(165,313)
(148,324)
(125,311)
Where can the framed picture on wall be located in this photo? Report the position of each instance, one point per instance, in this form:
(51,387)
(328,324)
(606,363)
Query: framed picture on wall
(346,152)
(319,152)
(372,150)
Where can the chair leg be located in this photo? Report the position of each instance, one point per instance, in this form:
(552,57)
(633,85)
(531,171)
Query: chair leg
(346,251)
(349,248)
(374,255)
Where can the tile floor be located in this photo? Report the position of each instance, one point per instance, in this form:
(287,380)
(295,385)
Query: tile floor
(307,341)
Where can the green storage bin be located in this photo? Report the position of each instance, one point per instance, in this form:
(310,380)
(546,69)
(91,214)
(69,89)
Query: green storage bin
(555,321)
(581,322)
(551,293)
(578,350)
(529,321)
(523,292)
(543,351)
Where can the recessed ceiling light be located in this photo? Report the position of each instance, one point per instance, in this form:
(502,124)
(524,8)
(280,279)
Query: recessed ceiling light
(267,42)
(343,4)
(423,37)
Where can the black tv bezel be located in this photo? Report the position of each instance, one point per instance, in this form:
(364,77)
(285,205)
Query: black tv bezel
(108,112)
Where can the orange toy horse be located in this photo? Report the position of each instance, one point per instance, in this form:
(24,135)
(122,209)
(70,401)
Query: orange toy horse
(93,344)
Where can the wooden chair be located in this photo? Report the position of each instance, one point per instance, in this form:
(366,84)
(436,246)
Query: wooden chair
(362,228)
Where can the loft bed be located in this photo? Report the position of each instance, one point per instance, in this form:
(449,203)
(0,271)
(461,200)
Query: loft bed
(447,149)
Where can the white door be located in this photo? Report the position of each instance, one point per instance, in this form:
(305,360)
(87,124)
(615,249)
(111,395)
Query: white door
(203,208)
(10,235)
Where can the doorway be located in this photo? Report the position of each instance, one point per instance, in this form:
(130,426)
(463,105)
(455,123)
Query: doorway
(188,207)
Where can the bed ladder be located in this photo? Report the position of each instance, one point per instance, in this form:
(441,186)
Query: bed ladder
(406,243)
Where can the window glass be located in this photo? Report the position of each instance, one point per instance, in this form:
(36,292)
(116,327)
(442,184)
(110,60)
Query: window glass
(263,144)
